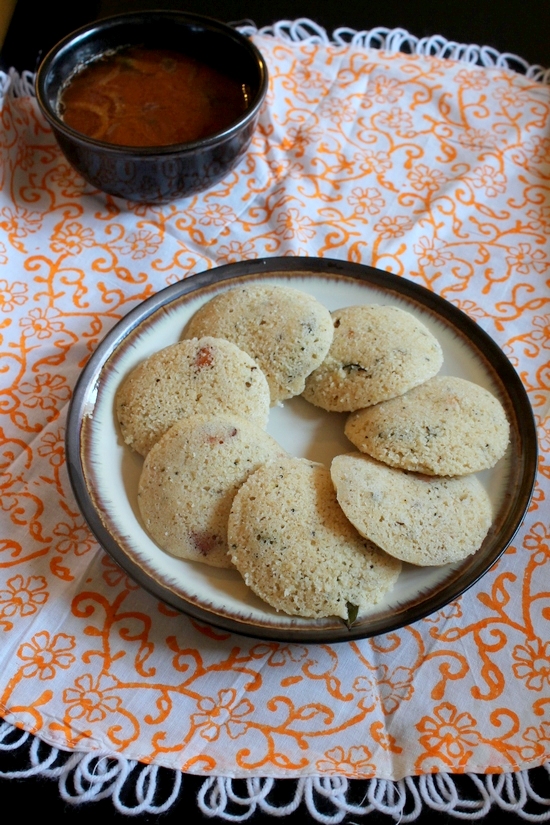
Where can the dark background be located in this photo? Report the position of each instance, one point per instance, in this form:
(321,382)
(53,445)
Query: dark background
(519,27)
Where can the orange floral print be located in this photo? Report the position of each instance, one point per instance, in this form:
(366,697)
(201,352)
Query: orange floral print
(489,180)
(432,169)
(72,239)
(73,537)
(115,576)
(236,251)
(430,253)
(12,295)
(510,97)
(478,139)
(395,227)
(25,157)
(18,222)
(286,168)
(524,259)
(338,112)
(279,655)
(43,655)
(532,664)
(223,714)
(366,200)
(52,447)
(452,611)
(215,215)
(47,392)
(292,224)
(390,688)
(541,330)
(539,219)
(298,139)
(449,733)
(472,79)
(385,89)
(538,539)
(353,762)
(42,324)
(423,178)
(141,244)
(397,120)
(70,183)
(536,150)
(373,162)
(305,78)
(90,699)
(538,741)
(23,596)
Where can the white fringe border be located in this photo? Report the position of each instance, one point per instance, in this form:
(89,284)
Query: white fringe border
(399,40)
(135,788)
(391,40)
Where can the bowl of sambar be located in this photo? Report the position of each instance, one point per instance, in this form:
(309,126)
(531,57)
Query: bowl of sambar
(153,106)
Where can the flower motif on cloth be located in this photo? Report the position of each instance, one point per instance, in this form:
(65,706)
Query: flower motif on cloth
(221,715)
(43,655)
(22,597)
(353,762)
(449,735)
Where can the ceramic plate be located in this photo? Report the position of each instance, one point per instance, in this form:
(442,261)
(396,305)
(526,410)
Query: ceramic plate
(104,472)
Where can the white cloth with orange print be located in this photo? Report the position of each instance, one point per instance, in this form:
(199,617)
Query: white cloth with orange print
(433,169)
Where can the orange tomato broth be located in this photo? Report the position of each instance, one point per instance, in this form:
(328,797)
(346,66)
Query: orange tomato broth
(150,97)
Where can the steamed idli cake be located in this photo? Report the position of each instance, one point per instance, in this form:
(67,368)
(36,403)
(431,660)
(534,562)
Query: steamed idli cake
(297,551)
(377,352)
(286,331)
(189,479)
(447,426)
(198,375)
(418,519)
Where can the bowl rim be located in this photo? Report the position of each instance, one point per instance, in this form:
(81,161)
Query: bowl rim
(89,29)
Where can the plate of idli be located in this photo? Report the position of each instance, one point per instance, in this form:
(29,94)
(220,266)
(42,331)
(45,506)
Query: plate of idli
(301,449)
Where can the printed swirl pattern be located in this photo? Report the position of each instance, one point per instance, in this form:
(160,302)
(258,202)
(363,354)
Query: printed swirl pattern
(432,169)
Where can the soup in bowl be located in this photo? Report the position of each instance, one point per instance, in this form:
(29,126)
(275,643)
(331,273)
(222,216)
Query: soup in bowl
(153,106)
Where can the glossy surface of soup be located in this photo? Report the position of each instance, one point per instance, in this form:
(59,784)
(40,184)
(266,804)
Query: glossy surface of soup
(150,97)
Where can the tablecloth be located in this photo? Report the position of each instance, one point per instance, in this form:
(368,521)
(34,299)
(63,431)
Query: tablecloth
(431,168)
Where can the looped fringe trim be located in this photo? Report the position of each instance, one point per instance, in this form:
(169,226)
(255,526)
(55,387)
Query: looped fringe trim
(304,30)
(15,84)
(398,40)
(135,788)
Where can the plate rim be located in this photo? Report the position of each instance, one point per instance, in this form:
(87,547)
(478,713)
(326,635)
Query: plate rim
(501,366)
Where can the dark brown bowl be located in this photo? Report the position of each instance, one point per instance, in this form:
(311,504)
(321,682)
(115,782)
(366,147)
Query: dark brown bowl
(159,173)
